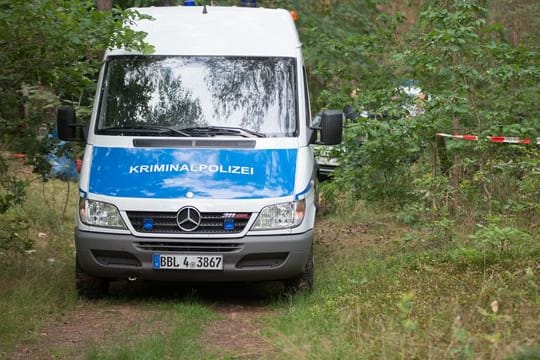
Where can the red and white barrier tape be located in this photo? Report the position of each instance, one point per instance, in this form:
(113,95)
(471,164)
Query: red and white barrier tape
(493,139)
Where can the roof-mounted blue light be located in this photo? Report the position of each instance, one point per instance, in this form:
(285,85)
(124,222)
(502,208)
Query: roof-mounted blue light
(189,2)
(249,3)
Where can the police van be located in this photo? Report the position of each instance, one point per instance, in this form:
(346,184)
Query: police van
(197,165)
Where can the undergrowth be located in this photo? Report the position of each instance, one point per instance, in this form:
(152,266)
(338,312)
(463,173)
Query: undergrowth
(414,295)
(36,282)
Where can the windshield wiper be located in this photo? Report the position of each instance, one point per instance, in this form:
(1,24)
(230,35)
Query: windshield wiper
(144,130)
(220,130)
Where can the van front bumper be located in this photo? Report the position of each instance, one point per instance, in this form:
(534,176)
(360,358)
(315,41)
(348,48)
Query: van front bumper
(249,258)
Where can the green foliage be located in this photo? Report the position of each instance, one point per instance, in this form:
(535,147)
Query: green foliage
(394,301)
(477,82)
(494,238)
(405,307)
(54,54)
(13,233)
(12,190)
(379,168)
(461,343)
(463,61)
(527,353)
(15,222)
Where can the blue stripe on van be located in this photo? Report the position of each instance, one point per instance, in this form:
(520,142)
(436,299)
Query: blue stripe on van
(198,173)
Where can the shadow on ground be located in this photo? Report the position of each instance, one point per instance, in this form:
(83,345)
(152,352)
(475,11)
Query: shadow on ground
(217,293)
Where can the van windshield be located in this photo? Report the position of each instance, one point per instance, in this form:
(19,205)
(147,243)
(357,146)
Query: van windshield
(195,95)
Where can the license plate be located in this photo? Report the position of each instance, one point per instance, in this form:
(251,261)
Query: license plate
(187,262)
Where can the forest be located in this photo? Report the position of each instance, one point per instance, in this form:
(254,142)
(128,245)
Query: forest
(458,167)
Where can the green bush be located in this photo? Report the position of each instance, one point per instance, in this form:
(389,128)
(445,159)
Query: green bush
(14,232)
(476,81)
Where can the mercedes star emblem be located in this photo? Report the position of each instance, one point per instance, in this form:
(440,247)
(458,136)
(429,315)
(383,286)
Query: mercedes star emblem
(188,218)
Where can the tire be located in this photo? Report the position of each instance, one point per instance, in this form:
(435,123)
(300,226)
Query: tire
(303,282)
(88,286)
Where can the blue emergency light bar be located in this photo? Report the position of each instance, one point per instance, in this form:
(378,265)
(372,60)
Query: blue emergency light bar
(248,3)
(189,2)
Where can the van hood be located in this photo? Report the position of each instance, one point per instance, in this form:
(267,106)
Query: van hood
(192,173)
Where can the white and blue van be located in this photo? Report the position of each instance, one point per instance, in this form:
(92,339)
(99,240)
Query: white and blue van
(198,165)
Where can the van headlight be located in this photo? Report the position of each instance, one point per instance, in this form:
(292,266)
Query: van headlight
(98,213)
(281,216)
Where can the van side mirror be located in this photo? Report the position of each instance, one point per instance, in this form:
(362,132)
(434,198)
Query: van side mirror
(331,127)
(68,129)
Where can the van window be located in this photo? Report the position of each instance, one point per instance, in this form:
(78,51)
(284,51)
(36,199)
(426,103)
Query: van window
(181,92)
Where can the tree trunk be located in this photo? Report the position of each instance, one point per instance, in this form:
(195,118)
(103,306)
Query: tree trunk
(104,5)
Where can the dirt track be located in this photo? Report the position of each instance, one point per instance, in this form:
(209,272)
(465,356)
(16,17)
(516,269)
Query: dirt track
(241,309)
(237,330)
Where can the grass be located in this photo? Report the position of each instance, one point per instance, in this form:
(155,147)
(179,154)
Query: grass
(32,292)
(36,286)
(399,299)
(182,327)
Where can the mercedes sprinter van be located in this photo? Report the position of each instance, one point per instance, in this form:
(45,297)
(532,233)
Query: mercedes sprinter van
(197,165)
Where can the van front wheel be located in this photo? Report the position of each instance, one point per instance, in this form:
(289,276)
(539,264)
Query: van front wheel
(88,286)
(302,282)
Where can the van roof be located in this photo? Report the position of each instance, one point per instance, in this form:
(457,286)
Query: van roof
(185,30)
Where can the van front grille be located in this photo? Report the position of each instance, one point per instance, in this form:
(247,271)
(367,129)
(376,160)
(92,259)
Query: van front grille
(165,223)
